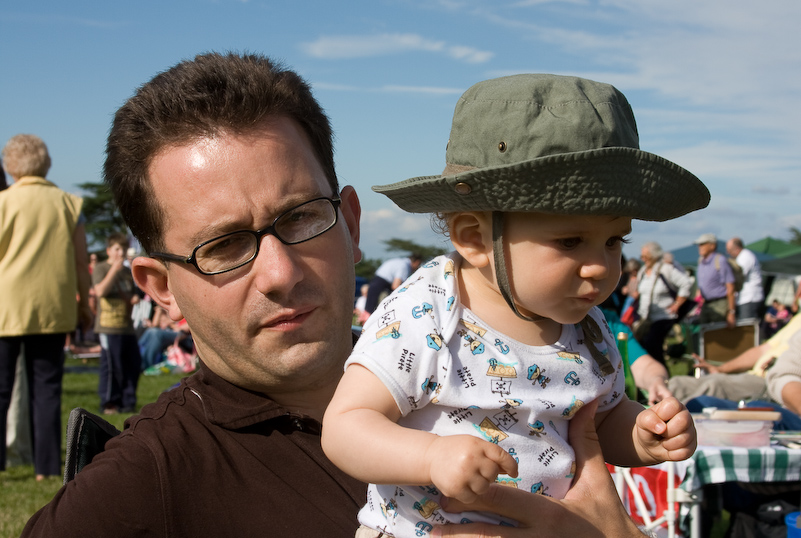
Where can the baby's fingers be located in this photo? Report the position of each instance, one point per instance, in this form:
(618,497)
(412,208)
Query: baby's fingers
(668,408)
(656,418)
(680,440)
(505,462)
(650,422)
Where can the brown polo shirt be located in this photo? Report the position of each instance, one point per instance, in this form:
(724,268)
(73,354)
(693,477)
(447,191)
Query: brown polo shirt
(208,459)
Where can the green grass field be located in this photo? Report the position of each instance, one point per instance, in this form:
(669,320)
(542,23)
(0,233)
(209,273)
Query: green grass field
(20,495)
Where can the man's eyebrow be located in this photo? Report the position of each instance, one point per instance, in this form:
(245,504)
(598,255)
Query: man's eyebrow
(216,229)
(210,231)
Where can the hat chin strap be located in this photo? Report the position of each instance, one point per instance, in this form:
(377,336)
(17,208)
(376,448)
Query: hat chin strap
(501,276)
(592,333)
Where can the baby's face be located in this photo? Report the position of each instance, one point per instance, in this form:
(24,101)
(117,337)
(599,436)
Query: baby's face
(560,266)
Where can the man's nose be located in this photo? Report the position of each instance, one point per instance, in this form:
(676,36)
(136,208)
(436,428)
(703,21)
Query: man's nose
(276,267)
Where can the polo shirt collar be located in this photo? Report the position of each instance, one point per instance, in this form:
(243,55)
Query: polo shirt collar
(31,180)
(229,406)
(232,407)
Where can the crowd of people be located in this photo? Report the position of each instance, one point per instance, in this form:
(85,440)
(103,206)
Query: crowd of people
(497,335)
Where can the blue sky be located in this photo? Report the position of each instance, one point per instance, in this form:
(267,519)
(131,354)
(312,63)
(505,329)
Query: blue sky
(714,84)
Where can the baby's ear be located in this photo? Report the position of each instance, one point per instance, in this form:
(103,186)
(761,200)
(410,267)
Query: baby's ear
(471,235)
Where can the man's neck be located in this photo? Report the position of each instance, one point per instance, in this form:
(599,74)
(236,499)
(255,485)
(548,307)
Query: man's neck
(311,403)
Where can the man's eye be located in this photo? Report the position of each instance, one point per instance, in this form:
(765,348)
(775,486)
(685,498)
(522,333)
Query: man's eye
(228,246)
(297,216)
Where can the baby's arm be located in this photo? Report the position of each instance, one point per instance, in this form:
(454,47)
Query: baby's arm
(663,432)
(361,437)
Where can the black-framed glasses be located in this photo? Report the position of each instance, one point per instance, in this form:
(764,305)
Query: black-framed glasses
(235,249)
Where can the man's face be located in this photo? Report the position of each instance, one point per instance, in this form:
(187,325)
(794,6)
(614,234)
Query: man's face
(279,324)
(732,249)
(705,249)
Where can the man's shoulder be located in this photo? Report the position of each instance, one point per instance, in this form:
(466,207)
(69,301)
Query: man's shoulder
(157,421)
(129,484)
(746,257)
(151,440)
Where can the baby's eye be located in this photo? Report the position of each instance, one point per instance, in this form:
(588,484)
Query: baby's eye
(617,240)
(569,242)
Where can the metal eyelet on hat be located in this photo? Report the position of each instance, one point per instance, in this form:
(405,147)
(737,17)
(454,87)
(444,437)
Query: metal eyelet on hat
(462,188)
(502,146)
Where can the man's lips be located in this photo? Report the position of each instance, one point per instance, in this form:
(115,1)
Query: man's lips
(289,319)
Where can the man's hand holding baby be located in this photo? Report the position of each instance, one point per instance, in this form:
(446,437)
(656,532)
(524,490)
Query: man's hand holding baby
(463,467)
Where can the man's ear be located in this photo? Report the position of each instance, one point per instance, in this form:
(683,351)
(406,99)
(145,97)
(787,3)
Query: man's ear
(153,278)
(471,235)
(352,211)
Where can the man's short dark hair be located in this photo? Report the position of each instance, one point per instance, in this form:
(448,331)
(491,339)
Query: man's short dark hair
(209,95)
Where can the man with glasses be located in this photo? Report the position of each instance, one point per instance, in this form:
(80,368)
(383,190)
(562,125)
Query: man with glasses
(223,168)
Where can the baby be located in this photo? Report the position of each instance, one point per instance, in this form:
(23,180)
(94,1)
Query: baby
(469,373)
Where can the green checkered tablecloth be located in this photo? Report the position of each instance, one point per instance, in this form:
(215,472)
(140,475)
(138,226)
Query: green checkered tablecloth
(715,465)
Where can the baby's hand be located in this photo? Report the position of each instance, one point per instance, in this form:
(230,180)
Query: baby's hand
(463,467)
(666,431)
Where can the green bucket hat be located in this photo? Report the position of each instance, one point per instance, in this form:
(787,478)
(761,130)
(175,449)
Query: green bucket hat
(550,144)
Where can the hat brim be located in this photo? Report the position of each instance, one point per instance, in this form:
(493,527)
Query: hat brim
(618,181)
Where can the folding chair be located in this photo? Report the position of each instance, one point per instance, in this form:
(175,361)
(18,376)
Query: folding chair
(87,435)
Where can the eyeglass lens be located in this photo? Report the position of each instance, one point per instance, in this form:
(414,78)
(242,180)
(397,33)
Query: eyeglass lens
(295,226)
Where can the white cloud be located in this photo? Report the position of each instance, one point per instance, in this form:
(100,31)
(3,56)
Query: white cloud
(734,56)
(363,46)
(379,225)
(389,88)
(469,54)
(335,87)
(791,221)
(355,46)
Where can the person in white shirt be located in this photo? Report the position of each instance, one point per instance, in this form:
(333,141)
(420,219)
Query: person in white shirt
(388,277)
(750,299)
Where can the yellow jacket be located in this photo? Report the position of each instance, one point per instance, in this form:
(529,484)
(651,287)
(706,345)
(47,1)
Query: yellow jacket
(38,282)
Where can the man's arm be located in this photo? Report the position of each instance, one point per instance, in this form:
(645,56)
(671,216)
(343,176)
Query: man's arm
(741,363)
(732,305)
(118,494)
(106,284)
(84,279)
(590,509)
(651,376)
(791,396)
(784,377)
